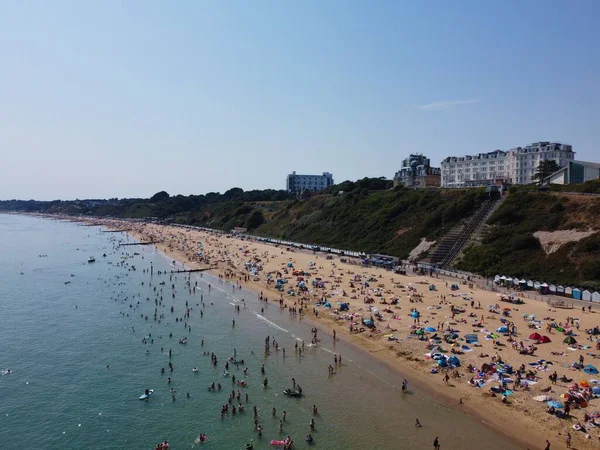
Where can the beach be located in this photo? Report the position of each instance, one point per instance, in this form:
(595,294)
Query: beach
(519,416)
(85,339)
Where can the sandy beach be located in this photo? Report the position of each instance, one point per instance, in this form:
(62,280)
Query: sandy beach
(414,315)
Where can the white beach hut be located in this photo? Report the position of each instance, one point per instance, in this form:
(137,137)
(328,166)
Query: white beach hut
(596,297)
(568,292)
(586,295)
(560,290)
(552,289)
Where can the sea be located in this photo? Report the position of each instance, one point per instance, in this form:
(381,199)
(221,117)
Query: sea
(82,345)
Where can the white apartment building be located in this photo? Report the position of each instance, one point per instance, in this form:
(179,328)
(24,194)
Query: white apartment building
(524,160)
(299,183)
(516,166)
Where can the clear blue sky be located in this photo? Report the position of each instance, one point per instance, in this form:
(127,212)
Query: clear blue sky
(124,99)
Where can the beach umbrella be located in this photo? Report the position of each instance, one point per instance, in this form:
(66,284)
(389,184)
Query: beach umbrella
(584,383)
(430,330)
(555,404)
(591,370)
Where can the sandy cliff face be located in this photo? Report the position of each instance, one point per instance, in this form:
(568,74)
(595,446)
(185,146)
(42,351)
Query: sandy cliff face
(552,240)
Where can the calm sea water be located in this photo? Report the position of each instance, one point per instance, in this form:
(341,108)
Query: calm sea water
(63,320)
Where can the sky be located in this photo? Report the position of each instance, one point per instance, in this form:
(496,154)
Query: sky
(128,98)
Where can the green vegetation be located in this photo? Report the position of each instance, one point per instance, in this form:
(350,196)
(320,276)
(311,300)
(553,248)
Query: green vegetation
(510,247)
(546,168)
(368,215)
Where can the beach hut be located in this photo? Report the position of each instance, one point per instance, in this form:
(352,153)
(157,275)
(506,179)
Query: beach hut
(596,297)
(552,289)
(577,294)
(586,295)
(529,284)
(537,285)
(544,289)
(497,279)
(522,284)
(568,292)
(560,290)
(509,281)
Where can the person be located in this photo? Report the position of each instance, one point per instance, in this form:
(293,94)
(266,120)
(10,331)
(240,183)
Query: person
(417,423)
(315,410)
(568,439)
(436,443)
(547,445)
(312,424)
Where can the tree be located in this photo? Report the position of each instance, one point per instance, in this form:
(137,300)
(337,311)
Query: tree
(159,197)
(545,168)
(255,220)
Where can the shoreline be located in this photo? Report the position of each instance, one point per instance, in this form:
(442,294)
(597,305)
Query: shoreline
(402,370)
(524,429)
(435,394)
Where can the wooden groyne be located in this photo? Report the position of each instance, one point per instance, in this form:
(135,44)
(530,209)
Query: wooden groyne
(140,243)
(193,270)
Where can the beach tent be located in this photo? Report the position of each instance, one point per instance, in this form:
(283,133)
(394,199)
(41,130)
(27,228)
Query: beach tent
(503,329)
(430,330)
(442,363)
(570,340)
(470,338)
(535,336)
(545,340)
(454,361)
(596,391)
(591,370)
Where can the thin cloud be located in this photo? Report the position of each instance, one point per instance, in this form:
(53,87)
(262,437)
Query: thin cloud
(438,106)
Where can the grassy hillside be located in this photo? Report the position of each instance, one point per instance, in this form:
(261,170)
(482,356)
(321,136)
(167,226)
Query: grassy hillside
(390,222)
(367,215)
(510,247)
